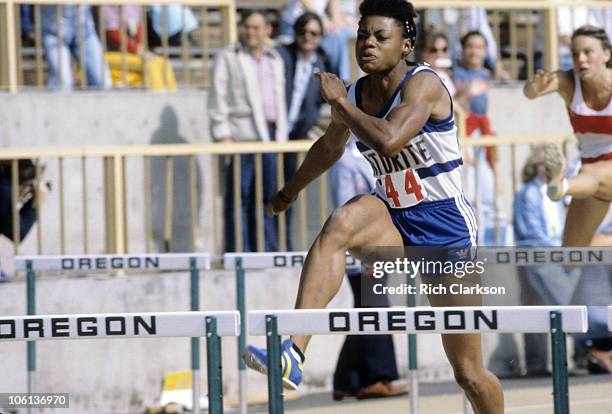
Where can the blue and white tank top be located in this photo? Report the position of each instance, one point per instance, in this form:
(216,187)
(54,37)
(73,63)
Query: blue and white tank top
(433,154)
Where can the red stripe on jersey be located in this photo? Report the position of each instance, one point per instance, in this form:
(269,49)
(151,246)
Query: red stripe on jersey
(584,124)
(604,157)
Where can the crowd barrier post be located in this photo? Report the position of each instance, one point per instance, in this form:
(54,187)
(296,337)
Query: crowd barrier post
(559,361)
(275,386)
(240,304)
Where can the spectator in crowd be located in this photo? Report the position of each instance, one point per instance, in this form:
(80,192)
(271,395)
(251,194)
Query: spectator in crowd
(246,102)
(302,59)
(178,20)
(159,76)
(538,222)
(458,22)
(433,50)
(473,82)
(366,365)
(58,49)
(338,30)
(30,193)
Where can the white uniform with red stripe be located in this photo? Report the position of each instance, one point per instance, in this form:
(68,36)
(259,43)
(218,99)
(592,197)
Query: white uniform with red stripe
(592,128)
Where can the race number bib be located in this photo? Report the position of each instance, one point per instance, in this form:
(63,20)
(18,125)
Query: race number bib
(402,189)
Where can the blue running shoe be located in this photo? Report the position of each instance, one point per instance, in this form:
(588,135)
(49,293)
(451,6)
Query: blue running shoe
(291,363)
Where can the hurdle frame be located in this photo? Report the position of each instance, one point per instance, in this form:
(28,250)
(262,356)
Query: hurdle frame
(555,329)
(240,262)
(202,324)
(180,261)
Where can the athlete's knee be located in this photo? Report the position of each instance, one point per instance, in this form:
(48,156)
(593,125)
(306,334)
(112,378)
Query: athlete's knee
(339,227)
(590,171)
(469,377)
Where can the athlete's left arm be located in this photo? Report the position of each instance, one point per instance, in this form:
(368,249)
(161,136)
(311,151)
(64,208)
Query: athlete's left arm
(421,97)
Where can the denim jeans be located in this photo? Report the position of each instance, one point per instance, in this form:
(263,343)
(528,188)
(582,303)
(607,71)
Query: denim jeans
(58,50)
(248,208)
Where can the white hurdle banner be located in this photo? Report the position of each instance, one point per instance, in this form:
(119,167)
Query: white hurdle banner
(610,318)
(557,321)
(272,260)
(538,256)
(110,262)
(502,319)
(212,325)
(116,325)
(495,256)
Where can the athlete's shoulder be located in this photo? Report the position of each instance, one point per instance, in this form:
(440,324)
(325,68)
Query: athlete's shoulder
(423,78)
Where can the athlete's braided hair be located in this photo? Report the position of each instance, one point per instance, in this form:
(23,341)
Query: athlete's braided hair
(596,33)
(400,10)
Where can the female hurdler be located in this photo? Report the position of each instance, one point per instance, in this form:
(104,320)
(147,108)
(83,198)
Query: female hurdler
(402,117)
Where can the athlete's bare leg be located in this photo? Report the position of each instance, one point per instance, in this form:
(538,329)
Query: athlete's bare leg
(593,179)
(583,218)
(362,222)
(464,352)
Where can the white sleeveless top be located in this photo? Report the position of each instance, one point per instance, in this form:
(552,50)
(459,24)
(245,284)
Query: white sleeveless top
(592,128)
(433,153)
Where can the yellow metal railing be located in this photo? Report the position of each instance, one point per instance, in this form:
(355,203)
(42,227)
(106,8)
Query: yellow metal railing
(120,179)
(11,47)
(515,24)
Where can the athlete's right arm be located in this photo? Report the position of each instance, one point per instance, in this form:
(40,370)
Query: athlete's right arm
(545,82)
(320,157)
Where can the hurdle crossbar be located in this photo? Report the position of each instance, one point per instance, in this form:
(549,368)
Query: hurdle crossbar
(115,325)
(503,319)
(538,256)
(378,321)
(213,325)
(271,260)
(112,262)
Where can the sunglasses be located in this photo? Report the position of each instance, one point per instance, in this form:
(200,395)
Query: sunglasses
(310,32)
(436,50)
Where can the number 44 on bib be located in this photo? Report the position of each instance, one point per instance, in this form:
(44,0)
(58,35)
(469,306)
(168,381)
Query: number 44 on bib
(403,188)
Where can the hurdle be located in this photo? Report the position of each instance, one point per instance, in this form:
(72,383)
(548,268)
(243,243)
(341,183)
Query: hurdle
(213,325)
(557,321)
(108,262)
(240,262)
